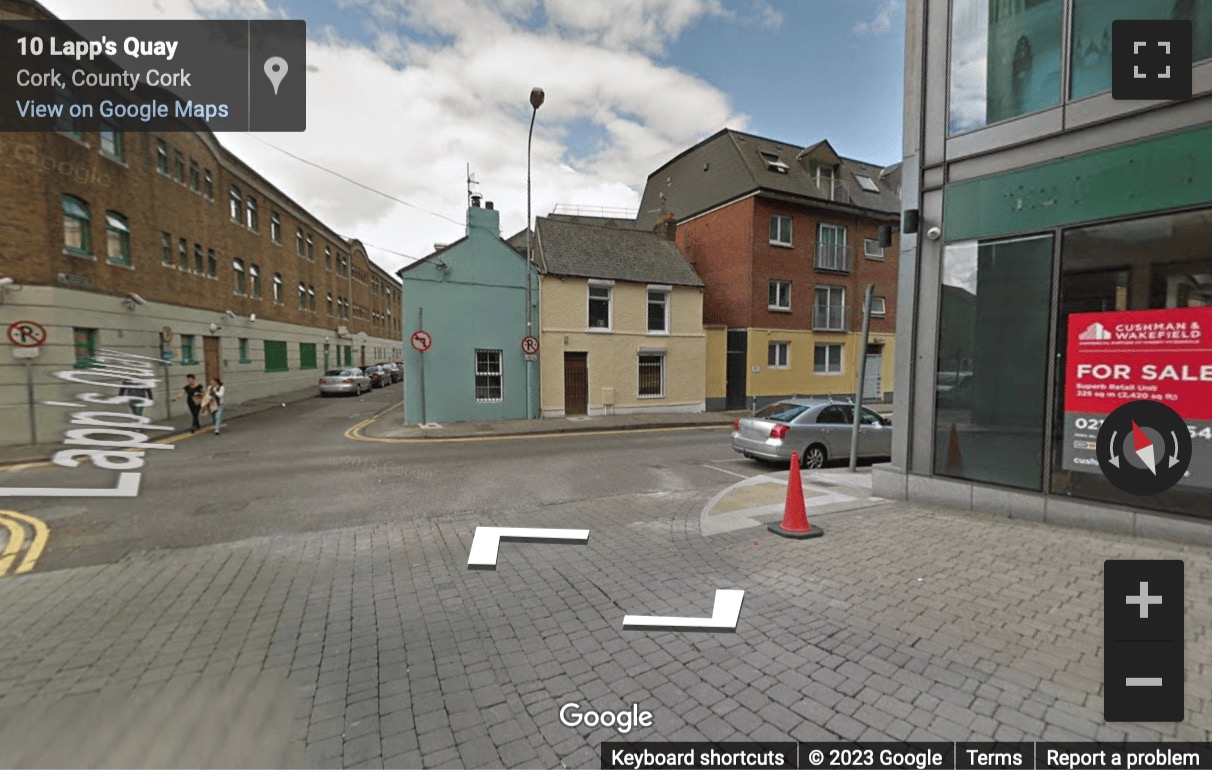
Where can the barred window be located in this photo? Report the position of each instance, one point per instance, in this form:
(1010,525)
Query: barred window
(489,380)
(652,376)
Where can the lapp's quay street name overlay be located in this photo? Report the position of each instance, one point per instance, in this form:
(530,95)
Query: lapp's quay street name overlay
(71,76)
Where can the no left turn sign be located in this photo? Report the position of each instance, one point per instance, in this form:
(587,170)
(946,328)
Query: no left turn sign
(421,340)
(26,334)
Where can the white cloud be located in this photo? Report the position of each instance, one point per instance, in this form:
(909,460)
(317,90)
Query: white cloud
(882,21)
(444,83)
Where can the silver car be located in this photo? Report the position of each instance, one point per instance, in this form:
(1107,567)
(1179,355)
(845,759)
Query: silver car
(348,381)
(819,431)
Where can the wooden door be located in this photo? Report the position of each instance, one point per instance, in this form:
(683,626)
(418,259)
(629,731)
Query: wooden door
(576,384)
(210,358)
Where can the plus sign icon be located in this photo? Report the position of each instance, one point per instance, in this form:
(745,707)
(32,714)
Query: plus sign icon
(1151,59)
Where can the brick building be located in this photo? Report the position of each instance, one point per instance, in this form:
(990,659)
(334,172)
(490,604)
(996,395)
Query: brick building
(786,240)
(168,246)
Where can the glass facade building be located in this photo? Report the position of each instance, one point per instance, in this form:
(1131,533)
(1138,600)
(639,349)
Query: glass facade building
(1042,199)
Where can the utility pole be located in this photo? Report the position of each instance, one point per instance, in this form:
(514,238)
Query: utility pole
(862,374)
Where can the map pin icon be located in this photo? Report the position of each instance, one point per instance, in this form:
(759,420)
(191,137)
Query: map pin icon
(275,70)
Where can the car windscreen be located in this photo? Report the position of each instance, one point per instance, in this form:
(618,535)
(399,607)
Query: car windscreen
(337,373)
(781,412)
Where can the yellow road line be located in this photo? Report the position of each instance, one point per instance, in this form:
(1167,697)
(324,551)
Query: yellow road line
(41,535)
(16,539)
(49,464)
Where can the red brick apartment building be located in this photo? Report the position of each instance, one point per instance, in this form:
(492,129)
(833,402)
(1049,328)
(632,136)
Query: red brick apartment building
(169,246)
(786,240)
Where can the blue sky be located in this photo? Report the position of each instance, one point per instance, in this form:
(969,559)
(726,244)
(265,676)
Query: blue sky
(403,95)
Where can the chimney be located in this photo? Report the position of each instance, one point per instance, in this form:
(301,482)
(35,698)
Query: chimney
(488,205)
(666,227)
(475,201)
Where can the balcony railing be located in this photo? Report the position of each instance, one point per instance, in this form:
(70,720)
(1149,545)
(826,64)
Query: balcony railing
(833,256)
(832,189)
(829,318)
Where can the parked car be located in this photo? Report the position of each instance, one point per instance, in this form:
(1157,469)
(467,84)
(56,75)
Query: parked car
(378,376)
(819,431)
(351,380)
(394,371)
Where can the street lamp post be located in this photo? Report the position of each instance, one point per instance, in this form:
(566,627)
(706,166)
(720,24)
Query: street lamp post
(536,101)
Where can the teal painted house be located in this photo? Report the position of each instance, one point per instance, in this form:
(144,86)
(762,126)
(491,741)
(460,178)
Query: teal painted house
(470,297)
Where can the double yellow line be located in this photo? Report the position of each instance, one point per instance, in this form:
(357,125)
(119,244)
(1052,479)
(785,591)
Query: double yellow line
(17,557)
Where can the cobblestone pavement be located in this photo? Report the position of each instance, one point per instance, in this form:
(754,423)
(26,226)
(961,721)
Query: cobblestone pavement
(903,622)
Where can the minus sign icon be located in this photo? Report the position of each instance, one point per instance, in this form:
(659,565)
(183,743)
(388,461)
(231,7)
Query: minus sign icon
(1144,681)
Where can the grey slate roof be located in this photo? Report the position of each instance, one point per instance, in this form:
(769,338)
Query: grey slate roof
(730,164)
(611,253)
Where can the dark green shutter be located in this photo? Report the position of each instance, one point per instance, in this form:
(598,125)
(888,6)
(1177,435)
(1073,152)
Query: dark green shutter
(307,355)
(275,356)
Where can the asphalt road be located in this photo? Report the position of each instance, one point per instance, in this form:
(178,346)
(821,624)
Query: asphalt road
(293,470)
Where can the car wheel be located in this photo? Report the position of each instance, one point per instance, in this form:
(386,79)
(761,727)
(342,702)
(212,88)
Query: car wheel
(814,457)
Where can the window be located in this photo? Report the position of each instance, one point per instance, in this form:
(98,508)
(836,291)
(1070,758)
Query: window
(867,183)
(658,311)
(111,143)
(777,355)
(237,265)
(299,241)
(236,203)
(1090,54)
(194,178)
(178,166)
(872,249)
(251,214)
(199,260)
(780,230)
(275,227)
(489,379)
(878,307)
(208,186)
(243,348)
(829,309)
(838,414)
(166,249)
(652,375)
(75,225)
(278,293)
(773,163)
(182,255)
(302,297)
(311,252)
(212,264)
(307,355)
(1005,59)
(780,295)
(831,250)
(275,356)
(330,303)
(187,349)
(599,307)
(311,298)
(86,347)
(161,156)
(993,344)
(827,359)
(254,272)
(327,258)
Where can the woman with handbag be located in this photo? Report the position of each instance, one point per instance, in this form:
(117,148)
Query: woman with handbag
(192,393)
(218,395)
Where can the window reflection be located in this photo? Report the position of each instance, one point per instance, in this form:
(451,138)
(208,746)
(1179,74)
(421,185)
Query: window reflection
(1090,60)
(1005,60)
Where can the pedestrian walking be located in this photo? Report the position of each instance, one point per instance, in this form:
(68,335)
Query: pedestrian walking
(140,396)
(192,393)
(218,394)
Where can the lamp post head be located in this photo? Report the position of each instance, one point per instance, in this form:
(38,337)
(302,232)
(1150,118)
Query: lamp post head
(536,97)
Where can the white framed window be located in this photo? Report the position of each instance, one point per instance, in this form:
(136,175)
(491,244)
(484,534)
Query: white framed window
(236,201)
(658,309)
(652,375)
(252,220)
(867,183)
(774,163)
(827,359)
(778,355)
(780,295)
(600,302)
(872,249)
(780,230)
(831,250)
(829,309)
(878,306)
(489,377)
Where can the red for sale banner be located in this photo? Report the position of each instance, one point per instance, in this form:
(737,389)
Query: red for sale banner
(1119,356)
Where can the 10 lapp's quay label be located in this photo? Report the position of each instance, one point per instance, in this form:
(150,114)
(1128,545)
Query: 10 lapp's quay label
(77,76)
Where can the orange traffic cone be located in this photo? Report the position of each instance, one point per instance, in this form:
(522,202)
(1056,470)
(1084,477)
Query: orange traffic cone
(795,514)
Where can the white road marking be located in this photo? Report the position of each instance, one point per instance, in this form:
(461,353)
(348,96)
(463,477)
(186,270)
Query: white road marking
(721,470)
(724,616)
(485,541)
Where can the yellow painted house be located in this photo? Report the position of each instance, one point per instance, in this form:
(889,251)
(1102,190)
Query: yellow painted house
(620,319)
